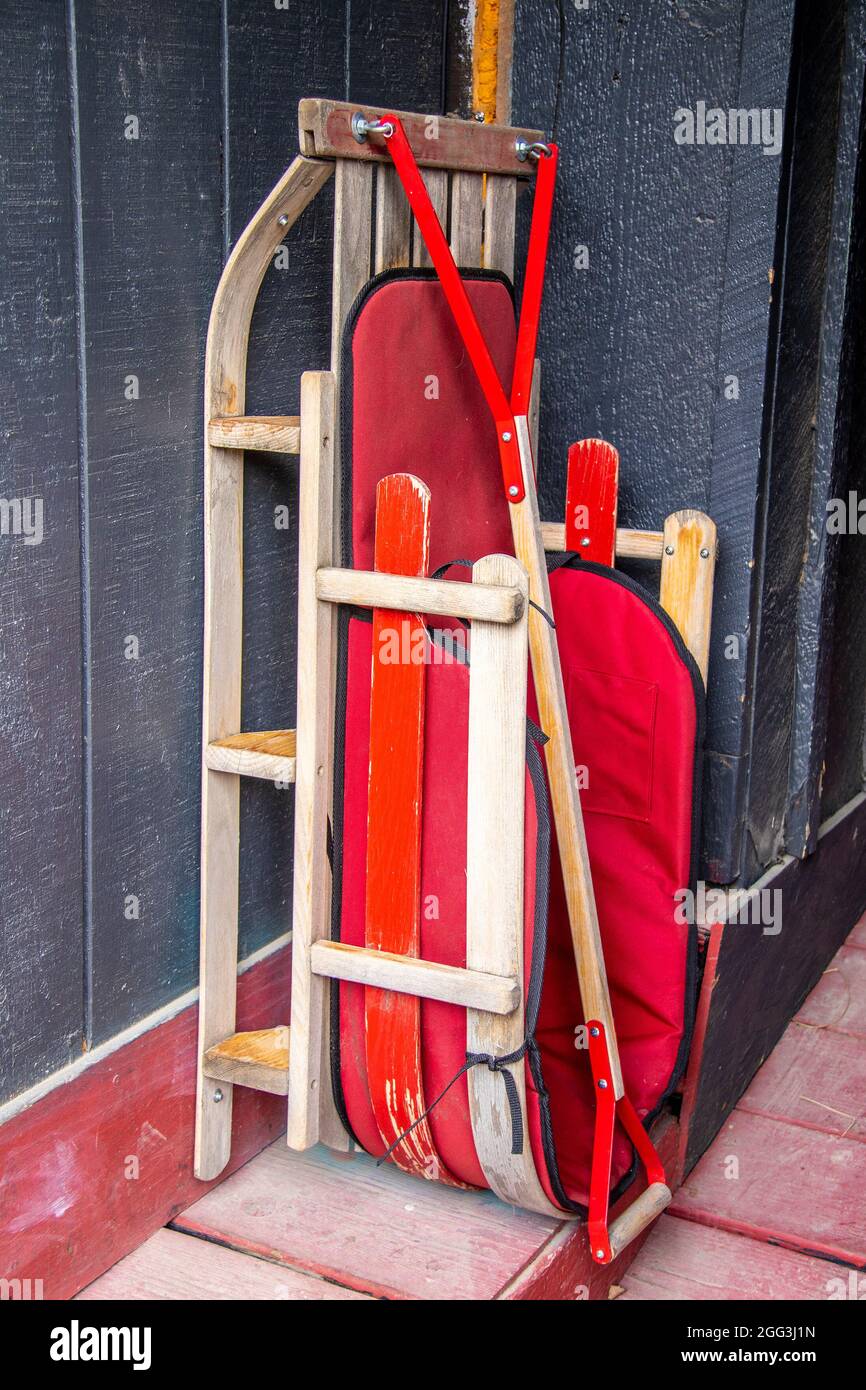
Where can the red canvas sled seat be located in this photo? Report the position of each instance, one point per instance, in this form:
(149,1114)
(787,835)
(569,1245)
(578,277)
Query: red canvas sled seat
(635,707)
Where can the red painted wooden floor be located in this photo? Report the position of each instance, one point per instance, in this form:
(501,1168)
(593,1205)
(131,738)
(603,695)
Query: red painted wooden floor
(774,1210)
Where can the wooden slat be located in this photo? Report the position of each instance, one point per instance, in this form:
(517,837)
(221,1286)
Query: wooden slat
(778,1182)
(394,807)
(393,221)
(179,1267)
(325,131)
(225,386)
(436,181)
(839,998)
(494,883)
(684,1262)
(489,603)
(500,202)
(630,545)
(259,1060)
(591,497)
(408,975)
(814,1077)
(269,754)
(310,1099)
(371,1228)
(686,587)
(276,434)
(466,218)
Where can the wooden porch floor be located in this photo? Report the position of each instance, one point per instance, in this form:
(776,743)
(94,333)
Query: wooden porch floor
(774,1210)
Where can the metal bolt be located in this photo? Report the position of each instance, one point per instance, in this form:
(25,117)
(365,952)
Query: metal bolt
(479,116)
(283,219)
(513,490)
(705,554)
(599,1254)
(669,550)
(506,435)
(217,1096)
(594,1032)
(602,1085)
(585,540)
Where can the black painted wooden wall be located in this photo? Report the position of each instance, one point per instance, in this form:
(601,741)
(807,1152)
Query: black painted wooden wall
(135,142)
(713,338)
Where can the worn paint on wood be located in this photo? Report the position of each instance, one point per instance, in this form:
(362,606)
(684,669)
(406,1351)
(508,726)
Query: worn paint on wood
(175,1266)
(394,809)
(685,1262)
(97,1165)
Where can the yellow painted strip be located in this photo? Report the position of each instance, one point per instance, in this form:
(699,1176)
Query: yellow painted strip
(485,67)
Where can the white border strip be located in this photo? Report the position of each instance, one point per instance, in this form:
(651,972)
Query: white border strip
(144,1025)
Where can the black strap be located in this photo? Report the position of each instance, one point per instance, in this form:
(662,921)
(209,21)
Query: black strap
(494,1064)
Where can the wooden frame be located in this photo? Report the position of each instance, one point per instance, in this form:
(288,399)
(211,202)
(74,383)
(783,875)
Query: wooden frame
(477,182)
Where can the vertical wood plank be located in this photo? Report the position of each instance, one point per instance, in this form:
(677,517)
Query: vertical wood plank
(436,181)
(393,221)
(151,252)
(466,218)
(500,206)
(309,1083)
(495,879)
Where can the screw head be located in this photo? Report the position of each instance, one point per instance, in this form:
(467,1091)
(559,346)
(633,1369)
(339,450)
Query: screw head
(594,1032)
(705,554)
(283,219)
(513,490)
(479,116)
(506,435)
(217,1096)
(669,550)
(602,1085)
(585,540)
(599,1254)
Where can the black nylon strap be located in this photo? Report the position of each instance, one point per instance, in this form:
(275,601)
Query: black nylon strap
(494,1064)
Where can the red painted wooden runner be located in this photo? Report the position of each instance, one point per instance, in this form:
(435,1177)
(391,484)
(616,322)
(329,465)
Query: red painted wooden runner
(591,500)
(684,1262)
(393,901)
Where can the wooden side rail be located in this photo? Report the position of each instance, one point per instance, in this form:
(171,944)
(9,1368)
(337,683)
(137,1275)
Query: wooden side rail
(488,603)
(472,989)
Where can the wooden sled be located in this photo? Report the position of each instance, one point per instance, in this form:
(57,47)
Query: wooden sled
(472,170)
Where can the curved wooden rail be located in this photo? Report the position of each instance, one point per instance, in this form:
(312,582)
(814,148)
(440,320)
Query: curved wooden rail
(224,395)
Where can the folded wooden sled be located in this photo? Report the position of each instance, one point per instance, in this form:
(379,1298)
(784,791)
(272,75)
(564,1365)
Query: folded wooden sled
(373,1025)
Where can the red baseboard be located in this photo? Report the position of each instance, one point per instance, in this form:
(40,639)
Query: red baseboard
(98,1164)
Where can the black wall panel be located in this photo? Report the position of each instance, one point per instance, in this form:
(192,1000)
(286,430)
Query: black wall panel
(41,892)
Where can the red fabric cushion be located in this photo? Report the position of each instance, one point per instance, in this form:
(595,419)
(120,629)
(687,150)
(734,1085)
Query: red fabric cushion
(632,709)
